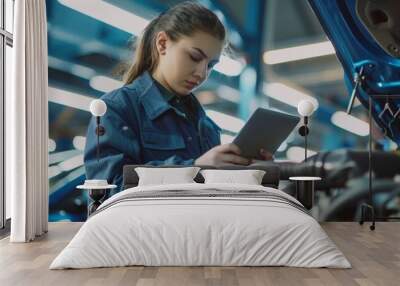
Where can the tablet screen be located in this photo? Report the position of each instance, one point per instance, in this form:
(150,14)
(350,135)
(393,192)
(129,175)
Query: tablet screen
(266,129)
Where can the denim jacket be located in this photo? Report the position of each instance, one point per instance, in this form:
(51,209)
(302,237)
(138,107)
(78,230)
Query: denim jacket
(141,127)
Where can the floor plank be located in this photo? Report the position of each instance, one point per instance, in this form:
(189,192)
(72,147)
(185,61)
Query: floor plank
(374,255)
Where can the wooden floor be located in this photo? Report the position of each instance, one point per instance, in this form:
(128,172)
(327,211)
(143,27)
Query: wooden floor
(375,257)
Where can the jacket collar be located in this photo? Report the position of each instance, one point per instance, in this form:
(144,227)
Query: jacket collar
(152,100)
(150,97)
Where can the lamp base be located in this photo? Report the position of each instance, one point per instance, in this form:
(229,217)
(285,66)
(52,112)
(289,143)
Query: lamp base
(96,198)
(305,193)
(305,190)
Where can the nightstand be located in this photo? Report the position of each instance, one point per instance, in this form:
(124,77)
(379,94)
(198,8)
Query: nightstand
(98,191)
(305,190)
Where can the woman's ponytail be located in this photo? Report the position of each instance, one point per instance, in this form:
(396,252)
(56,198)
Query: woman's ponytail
(145,54)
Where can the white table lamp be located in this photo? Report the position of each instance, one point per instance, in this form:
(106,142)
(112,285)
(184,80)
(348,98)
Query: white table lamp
(98,108)
(305,108)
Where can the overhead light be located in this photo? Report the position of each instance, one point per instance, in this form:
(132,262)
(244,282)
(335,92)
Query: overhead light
(71,163)
(69,177)
(291,137)
(54,171)
(287,94)
(98,82)
(109,14)
(225,138)
(206,97)
(225,121)
(235,38)
(79,142)
(350,123)
(318,76)
(228,93)
(52,145)
(298,53)
(133,24)
(104,83)
(296,154)
(228,66)
(61,156)
(65,166)
(356,102)
(78,70)
(71,99)
(282,147)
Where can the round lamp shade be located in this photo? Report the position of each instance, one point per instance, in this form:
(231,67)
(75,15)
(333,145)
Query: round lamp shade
(98,107)
(305,108)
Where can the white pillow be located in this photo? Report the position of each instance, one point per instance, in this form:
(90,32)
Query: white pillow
(163,176)
(248,177)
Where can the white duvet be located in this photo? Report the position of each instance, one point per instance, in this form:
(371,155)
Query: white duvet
(200,231)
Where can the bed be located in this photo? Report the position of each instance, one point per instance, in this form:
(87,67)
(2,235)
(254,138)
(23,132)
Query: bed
(198,224)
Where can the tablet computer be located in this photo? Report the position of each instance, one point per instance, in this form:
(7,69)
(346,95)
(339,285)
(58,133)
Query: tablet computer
(266,129)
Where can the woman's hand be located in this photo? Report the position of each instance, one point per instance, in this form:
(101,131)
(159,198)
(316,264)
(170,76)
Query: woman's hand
(266,156)
(225,154)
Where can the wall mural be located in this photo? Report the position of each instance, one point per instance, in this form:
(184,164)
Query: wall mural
(87,55)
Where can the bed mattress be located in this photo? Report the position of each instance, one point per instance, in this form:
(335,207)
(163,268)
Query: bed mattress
(201,225)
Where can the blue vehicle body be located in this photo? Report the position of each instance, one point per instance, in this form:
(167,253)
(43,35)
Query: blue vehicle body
(357,50)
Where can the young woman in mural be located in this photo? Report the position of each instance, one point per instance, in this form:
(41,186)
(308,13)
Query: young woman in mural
(154,118)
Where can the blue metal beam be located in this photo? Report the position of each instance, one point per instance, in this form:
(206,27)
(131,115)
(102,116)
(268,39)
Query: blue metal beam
(233,24)
(254,26)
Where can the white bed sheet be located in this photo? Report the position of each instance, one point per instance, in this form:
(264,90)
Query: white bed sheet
(200,231)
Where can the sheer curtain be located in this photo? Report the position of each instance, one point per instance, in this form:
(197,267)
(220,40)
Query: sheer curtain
(27,123)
